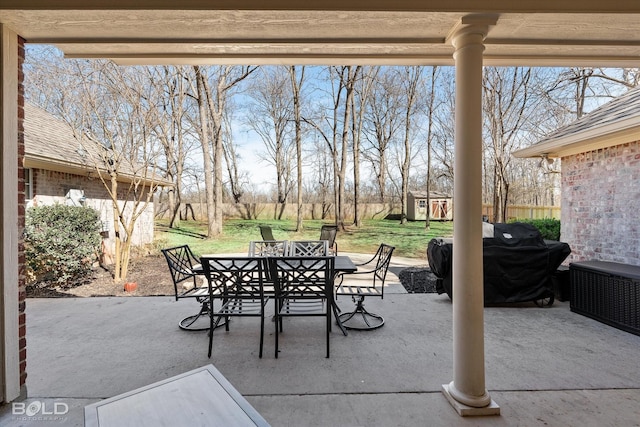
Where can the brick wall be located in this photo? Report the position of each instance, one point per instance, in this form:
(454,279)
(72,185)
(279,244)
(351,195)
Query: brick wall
(52,187)
(601,204)
(21,209)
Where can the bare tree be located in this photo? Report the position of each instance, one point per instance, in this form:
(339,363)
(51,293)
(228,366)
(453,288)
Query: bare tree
(296,86)
(348,76)
(587,87)
(238,180)
(506,100)
(213,87)
(109,110)
(430,108)
(383,123)
(171,129)
(361,99)
(411,77)
(270,118)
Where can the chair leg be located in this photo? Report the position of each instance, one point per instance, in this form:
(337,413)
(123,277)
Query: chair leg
(371,320)
(261,333)
(185,324)
(328,329)
(212,326)
(278,326)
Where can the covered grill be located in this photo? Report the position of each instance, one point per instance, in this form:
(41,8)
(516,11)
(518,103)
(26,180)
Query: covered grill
(518,264)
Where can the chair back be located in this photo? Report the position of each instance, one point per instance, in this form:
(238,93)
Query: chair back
(302,277)
(182,264)
(328,233)
(309,248)
(266,233)
(303,287)
(238,284)
(264,248)
(240,277)
(383,259)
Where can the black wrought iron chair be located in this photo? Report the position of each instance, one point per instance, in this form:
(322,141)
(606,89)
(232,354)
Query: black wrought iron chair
(368,281)
(241,285)
(304,287)
(311,248)
(266,232)
(188,282)
(329,233)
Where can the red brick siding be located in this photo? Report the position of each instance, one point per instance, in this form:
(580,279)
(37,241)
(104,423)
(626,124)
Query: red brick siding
(601,204)
(21,209)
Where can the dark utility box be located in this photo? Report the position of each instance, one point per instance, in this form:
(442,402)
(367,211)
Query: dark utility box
(561,284)
(608,292)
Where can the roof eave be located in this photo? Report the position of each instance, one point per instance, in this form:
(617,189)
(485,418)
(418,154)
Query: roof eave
(40,162)
(580,142)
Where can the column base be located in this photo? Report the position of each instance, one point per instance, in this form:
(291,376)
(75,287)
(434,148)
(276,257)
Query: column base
(469,411)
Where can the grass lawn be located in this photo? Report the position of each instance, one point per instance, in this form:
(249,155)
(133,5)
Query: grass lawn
(410,239)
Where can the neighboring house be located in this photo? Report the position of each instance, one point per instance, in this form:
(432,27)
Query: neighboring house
(441,206)
(58,170)
(600,173)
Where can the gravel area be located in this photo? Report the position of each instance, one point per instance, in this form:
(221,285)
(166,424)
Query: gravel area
(418,280)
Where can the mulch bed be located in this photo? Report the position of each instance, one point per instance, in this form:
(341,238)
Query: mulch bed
(152,276)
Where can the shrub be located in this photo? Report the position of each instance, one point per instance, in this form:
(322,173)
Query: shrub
(61,243)
(549,227)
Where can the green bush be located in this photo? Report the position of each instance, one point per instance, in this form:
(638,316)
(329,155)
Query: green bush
(549,227)
(61,243)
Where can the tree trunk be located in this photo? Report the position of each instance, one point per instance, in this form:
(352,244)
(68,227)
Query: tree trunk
(206,152)
(295,86)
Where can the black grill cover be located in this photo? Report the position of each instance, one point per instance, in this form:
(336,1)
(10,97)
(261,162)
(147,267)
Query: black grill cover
(518,264)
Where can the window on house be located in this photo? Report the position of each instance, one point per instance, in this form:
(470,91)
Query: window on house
(422,204)
(28,184)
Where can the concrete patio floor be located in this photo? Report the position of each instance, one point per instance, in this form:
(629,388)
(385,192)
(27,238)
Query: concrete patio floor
(544,367)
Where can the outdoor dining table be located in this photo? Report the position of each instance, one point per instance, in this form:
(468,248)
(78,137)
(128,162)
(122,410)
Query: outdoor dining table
(342,264)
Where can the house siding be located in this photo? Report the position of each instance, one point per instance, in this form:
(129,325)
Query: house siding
(52,187)
(600,204)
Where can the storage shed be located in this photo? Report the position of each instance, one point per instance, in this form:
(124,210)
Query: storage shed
(441,206)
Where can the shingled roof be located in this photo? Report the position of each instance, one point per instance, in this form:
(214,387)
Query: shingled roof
(50,144)
(50,141)
(616,122)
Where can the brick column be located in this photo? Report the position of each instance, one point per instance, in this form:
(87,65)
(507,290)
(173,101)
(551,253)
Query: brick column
(21,212)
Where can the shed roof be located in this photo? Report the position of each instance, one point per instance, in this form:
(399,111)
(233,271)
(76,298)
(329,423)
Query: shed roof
(616,122)
(432,195)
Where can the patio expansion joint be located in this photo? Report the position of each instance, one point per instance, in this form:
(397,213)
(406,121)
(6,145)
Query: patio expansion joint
(346,393)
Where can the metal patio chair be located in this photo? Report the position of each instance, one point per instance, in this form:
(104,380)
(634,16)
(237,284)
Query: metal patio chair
(329,233)
(304,287)
(240,282)
(185,271)
(266,232)
(368,281)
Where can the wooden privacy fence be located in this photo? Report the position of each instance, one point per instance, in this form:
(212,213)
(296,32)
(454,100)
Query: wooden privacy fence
(525,212)
(190,211)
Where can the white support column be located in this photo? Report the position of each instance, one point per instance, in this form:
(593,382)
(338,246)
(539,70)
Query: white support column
(9,339)
(467,391)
